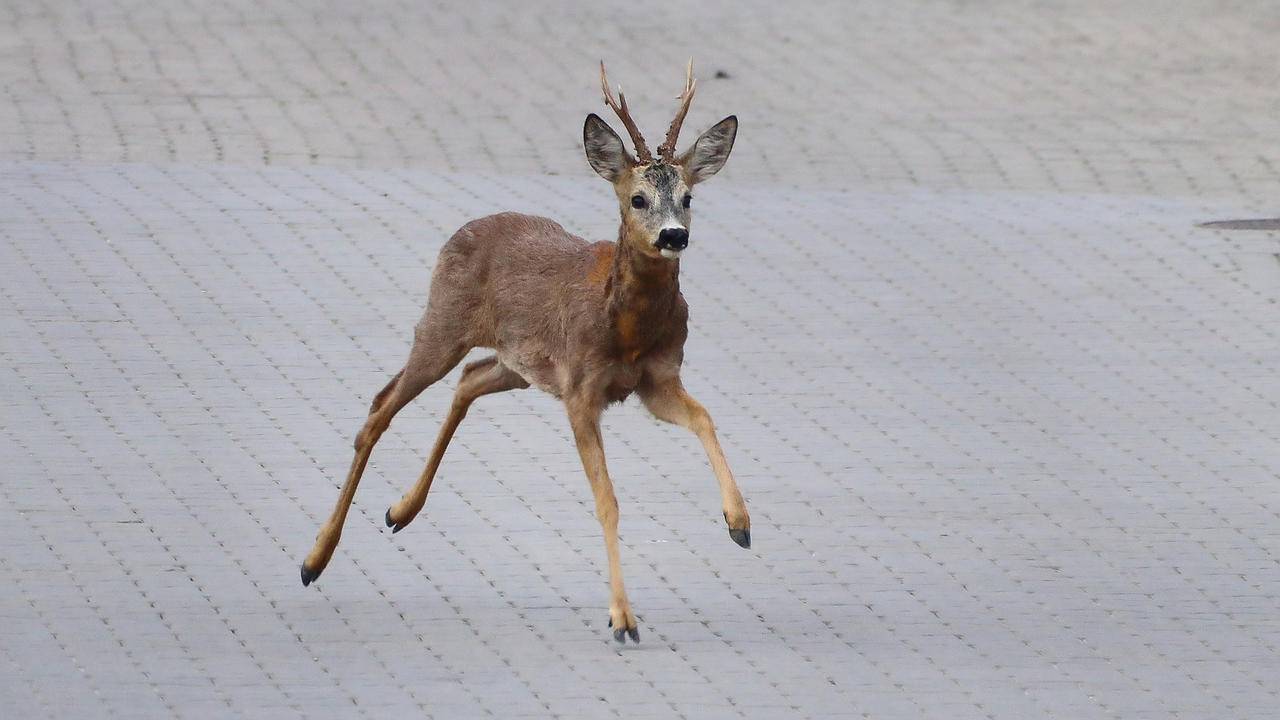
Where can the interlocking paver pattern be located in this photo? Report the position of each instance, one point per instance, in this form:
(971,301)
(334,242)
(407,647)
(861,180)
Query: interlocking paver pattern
(1003,412)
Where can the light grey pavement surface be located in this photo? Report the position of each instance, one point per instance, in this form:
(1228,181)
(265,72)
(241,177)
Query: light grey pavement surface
(1005,416)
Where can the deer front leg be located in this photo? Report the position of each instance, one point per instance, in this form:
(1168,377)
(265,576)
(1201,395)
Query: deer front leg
(584,417)
(667,400)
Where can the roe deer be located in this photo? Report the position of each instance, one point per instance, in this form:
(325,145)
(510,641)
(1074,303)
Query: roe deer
(588,323)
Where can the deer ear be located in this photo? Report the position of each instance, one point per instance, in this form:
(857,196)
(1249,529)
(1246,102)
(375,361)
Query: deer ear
(710,150)
(605,151)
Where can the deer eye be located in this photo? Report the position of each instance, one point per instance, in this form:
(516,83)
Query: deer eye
(638,202)
(686,201)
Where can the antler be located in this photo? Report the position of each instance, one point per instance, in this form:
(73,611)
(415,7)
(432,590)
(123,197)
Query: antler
(667,150)
(620,109)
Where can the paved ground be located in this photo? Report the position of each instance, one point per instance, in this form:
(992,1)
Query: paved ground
(1005,416)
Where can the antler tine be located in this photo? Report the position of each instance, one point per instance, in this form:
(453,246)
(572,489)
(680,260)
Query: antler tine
(620,109)
(667,150)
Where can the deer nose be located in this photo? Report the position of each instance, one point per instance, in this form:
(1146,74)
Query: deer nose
(673,239)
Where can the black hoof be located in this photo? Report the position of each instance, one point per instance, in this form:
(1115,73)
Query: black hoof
(742,537)
(621,634)
(395,528)
(308,576)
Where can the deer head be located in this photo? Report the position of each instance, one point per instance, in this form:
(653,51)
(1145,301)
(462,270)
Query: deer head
(654,195)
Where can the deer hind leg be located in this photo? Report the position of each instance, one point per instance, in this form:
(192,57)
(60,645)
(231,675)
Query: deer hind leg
(585,420)
(668,401)
(428,362)
(478,378)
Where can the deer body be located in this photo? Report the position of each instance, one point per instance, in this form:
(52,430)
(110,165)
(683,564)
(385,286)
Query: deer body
(558,298)
(588,323)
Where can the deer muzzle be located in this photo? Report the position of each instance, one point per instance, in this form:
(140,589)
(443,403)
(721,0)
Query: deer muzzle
(672,241)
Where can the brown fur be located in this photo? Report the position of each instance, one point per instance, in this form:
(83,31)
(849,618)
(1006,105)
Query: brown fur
(588,323)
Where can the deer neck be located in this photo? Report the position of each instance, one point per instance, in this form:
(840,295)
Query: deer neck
(641,295)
